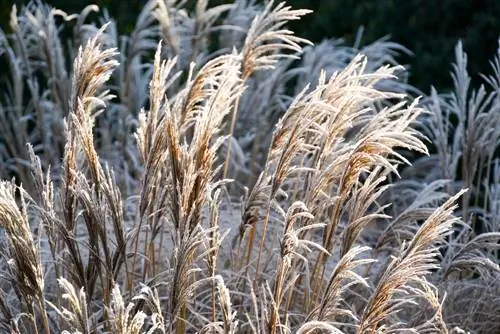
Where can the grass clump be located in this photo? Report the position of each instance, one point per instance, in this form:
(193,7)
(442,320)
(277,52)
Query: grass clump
(264,187)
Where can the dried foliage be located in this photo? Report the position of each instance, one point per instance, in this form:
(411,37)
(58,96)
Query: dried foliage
(241,181)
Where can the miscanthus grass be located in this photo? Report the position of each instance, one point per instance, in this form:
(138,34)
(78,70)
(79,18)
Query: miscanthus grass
(212,172)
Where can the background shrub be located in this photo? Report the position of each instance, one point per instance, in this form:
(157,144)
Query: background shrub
(430,29)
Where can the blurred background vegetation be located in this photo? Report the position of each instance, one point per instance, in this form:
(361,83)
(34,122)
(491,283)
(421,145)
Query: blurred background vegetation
(430,29)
